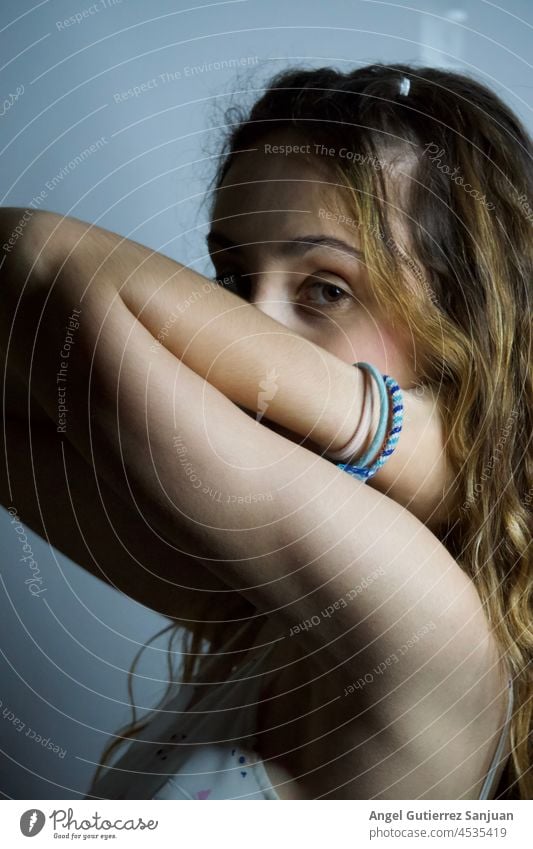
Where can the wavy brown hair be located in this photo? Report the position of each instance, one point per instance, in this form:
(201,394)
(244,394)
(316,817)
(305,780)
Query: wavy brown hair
(465,163)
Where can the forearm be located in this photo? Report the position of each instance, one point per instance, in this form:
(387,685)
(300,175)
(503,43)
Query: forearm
(314,395)
(254,360)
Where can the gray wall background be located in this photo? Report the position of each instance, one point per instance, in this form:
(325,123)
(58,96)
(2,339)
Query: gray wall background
(63,664)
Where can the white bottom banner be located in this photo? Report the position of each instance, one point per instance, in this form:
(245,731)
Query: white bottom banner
(162,823)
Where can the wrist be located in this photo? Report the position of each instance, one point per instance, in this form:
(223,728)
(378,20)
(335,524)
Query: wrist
(364,420)
(373,404)
(354,415)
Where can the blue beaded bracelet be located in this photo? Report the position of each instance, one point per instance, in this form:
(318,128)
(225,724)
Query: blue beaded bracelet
(365,472)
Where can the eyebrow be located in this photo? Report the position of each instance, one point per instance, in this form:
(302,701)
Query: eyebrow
(292,247)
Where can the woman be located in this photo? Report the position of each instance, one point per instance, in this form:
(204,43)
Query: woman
(363,641)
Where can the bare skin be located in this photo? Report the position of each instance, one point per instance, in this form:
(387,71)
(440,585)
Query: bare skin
(426,729)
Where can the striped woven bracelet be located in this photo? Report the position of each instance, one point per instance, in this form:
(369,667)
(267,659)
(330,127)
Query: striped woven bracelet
(366,472)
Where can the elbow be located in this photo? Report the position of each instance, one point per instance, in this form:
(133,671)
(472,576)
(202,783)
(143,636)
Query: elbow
(24,236)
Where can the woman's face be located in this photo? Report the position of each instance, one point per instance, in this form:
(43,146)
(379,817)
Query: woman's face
(277,241)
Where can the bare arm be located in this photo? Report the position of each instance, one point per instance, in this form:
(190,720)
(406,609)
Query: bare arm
(235,347)
(61,495)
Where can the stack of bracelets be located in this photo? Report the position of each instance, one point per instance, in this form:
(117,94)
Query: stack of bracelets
(390,396)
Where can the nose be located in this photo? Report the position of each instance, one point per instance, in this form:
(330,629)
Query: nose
(273,300)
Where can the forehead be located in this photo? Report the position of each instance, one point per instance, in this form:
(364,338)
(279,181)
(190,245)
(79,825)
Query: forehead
(280,173)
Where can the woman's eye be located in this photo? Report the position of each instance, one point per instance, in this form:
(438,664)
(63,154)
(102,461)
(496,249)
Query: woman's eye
(317,294)
(321,293)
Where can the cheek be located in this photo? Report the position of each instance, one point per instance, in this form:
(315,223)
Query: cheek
(373,343)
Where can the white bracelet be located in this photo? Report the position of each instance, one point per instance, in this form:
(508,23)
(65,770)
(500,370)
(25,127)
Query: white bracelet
(349,452)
